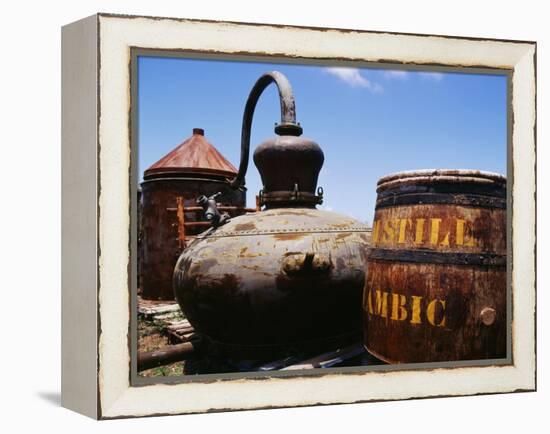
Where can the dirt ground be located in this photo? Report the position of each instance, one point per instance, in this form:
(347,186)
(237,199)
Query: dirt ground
(150,338)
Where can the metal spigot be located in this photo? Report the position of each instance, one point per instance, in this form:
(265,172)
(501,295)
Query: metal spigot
(211,212)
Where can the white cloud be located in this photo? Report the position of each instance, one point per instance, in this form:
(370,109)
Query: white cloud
(394,73)
(435,76)
(326,207)
(353,77)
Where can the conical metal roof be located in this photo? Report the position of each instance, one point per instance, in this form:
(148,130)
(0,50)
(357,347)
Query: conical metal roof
(195,156)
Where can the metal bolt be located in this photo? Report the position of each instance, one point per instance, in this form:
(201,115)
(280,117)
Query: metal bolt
(488,315)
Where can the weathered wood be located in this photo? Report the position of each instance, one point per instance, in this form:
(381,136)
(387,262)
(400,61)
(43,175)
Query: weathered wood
(166,233)
(220,208)
(175,336)
(179,324)
(181,223)
(192,224)
(436,281)
(180,330)
(156,310)
(165,356)
(165,317)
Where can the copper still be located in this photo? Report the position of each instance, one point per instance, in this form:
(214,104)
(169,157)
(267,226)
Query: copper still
(285,279)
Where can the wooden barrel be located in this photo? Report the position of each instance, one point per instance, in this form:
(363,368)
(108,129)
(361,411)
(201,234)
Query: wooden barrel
(436,280)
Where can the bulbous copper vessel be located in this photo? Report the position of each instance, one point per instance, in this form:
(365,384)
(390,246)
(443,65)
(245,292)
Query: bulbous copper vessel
(285,279)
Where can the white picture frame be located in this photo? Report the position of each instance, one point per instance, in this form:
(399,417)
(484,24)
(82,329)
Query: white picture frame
(96,158)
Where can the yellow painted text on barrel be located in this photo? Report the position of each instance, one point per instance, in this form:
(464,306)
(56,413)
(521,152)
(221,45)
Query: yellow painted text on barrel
(423,232)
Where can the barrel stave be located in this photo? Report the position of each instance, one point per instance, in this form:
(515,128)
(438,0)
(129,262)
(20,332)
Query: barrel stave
(436,281)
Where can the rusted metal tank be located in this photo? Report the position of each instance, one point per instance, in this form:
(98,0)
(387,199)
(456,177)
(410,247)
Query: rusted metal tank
(436,282)
(170,217)
(288,278)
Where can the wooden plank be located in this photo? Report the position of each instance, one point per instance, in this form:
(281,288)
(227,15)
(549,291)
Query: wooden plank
(174,336)
(221,208)
(180,329)
(179,323)
(181,223)
(163,308)
(198,223)
(166,317)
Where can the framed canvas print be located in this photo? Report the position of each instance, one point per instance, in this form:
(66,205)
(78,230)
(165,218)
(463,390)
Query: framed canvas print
(381,246)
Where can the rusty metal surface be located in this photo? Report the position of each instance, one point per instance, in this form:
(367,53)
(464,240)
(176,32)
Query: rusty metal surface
(263,284)
(269,280)
(289,167)
(160,243)
(281,221)
(436,282)
(196,155)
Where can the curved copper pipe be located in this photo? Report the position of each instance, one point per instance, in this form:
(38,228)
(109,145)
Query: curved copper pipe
(288,125)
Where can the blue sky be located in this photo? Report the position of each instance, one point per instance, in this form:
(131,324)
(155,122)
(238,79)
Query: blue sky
(369,122)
